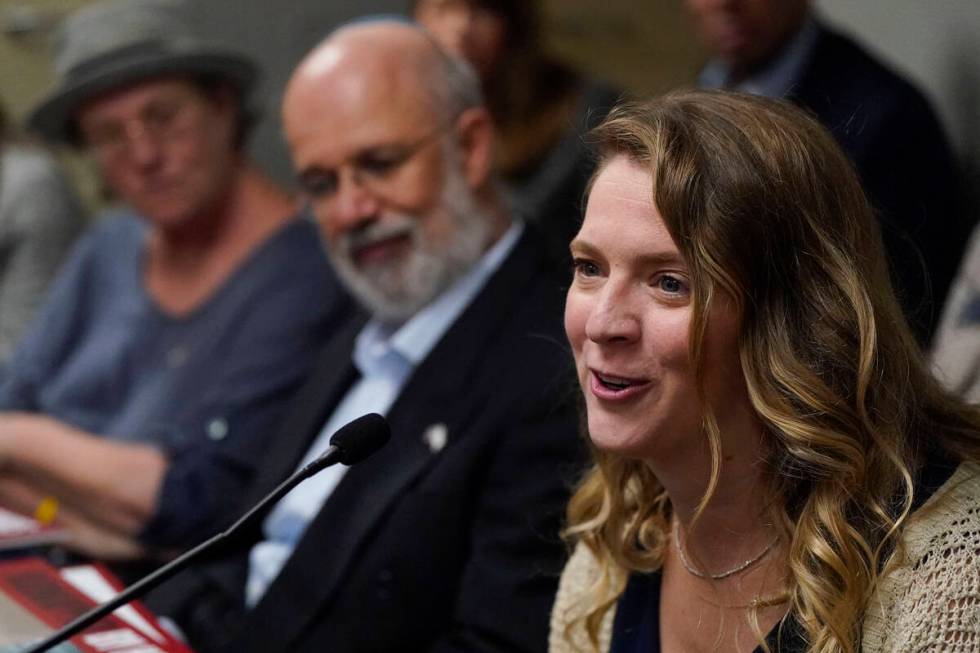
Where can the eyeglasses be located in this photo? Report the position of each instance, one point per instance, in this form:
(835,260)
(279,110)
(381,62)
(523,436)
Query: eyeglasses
(372,169)
(158,121)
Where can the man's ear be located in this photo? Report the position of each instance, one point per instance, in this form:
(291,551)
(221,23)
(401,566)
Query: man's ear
(475,134)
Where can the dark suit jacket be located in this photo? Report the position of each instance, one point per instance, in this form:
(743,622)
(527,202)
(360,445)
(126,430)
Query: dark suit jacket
(550,193)
(893,136)
(415,550)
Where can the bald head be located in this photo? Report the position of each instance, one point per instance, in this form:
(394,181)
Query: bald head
(394,149)
(372,61)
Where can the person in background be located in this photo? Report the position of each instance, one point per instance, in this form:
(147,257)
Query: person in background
(540,106)
(775,467)
(955,351)
(40,216)
(143,400)
(781,48)
(447,539)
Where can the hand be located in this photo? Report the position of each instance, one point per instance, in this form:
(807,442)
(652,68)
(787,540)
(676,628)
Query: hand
(111,485)
(11,425)
(16,427)
(93,541)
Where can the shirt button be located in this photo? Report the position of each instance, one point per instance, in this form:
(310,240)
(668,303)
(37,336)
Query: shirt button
(217,429)
(385,575)
(177,356)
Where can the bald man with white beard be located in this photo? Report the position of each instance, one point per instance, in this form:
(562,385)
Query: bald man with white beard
(447,540)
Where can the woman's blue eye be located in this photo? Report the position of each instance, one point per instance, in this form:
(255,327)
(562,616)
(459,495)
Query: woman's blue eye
(671,284)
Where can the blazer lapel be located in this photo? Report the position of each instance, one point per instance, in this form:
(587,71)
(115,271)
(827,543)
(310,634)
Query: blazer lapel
(339,531)
(333,373)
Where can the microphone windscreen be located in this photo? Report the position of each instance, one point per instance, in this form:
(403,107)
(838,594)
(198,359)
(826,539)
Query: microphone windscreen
(361,438)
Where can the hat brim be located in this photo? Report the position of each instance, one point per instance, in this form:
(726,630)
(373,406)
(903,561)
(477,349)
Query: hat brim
(52,118)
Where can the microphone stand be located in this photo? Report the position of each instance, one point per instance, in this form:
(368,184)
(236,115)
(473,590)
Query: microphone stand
(145,584)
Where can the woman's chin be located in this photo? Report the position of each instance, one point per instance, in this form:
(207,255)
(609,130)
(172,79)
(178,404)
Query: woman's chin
(621,441)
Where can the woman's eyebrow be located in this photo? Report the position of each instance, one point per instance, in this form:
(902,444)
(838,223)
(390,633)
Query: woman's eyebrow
(582,246)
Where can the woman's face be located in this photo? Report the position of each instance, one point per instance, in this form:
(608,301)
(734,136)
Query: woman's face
(466,29)
(627,318)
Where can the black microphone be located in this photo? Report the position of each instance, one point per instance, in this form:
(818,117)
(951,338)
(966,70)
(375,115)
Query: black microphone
(350,445)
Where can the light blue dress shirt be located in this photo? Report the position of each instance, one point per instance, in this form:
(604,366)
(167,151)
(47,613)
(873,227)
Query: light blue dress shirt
(776,78)
(385,359)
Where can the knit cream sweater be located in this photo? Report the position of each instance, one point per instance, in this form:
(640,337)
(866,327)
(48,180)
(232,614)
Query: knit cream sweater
(927,602)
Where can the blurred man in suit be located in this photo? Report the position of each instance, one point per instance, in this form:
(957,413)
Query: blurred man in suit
(780,48)
(447,540)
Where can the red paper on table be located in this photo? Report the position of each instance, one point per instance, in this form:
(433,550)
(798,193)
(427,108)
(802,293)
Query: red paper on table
(36,600)
(21,531)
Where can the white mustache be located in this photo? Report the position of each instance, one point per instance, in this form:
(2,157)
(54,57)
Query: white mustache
(371,233)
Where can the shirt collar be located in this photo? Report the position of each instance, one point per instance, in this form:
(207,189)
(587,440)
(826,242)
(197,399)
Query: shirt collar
(777,77)
(412,341)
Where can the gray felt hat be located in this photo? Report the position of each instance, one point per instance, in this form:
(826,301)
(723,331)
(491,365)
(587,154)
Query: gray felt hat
(109,44)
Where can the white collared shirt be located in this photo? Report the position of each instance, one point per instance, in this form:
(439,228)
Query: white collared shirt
(385,360)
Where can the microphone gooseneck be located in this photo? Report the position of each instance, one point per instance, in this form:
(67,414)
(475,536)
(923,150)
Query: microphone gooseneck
(350,445)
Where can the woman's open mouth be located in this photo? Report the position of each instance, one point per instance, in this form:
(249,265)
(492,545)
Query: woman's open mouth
(614,387)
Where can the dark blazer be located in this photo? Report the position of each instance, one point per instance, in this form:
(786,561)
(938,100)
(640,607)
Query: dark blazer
(550,194)
(901,153)
(416,549)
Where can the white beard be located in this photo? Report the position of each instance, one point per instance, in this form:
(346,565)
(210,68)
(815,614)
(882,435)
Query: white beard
(395,290)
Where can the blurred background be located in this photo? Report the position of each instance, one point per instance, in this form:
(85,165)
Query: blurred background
(646,47)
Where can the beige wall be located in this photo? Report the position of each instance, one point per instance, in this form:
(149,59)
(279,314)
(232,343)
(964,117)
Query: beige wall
(24,70)
(646,46)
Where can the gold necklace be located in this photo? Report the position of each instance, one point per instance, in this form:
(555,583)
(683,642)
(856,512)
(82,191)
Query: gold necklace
(742,566)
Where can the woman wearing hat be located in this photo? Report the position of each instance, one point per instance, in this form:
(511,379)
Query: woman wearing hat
(147,390)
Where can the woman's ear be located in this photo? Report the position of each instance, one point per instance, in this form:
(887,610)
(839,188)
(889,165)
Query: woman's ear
(475,134)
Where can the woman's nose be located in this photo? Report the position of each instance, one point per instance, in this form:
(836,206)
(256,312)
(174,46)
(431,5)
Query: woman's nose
(613,319)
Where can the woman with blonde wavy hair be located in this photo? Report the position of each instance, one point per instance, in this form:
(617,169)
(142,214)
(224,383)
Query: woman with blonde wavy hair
(775,468)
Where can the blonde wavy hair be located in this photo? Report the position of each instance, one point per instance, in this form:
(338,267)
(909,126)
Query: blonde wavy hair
(766,208)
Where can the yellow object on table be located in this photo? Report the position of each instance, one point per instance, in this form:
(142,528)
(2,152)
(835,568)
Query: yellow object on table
(47,510)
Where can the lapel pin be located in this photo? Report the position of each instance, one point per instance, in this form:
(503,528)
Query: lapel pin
(436,436)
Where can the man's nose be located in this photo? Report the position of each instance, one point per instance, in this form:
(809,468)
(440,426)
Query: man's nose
(353,204)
